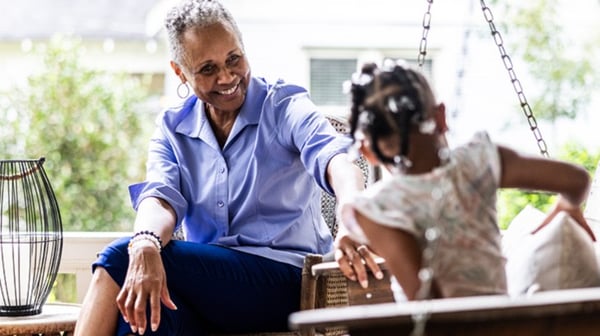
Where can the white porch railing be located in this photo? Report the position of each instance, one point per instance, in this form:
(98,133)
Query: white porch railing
(79,252)
(80,248)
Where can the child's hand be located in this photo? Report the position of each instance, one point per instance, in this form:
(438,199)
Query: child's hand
(574,211)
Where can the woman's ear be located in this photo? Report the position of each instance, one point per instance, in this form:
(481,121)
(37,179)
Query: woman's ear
(178,71)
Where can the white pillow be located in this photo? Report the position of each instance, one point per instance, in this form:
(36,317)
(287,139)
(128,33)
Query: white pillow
(561,255)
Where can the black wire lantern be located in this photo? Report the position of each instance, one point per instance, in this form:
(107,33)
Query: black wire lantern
(30,237)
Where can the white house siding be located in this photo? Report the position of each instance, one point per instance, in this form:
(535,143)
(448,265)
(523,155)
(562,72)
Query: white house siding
(282,35)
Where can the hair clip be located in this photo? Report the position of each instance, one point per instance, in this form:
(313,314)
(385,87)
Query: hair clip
(347,87)
(365,118)
(361,79)
(406,103)
(392,106)
(427,126)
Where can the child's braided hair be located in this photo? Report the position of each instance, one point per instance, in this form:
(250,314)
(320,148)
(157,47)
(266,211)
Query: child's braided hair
(387,101)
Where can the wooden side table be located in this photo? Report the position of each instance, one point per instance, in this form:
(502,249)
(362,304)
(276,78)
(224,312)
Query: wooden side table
(55,319)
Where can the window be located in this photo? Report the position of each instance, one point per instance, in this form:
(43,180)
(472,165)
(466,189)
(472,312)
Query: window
(328,74)
(327,77)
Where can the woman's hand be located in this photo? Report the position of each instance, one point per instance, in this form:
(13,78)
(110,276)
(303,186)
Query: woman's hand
(145,283)
(354,259)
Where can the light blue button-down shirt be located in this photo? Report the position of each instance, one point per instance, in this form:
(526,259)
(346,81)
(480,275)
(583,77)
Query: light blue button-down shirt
(258,193)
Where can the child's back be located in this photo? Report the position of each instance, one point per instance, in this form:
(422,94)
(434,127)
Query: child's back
(434,218)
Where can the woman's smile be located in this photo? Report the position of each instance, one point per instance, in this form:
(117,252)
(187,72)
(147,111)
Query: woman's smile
(230,91)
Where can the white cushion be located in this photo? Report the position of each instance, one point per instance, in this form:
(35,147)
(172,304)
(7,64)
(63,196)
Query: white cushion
(561,255)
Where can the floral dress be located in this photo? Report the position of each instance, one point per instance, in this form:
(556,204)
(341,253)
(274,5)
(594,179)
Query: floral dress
(459,199)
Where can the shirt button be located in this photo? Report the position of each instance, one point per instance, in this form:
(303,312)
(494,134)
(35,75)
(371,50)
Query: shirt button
(220,204)
(222,170)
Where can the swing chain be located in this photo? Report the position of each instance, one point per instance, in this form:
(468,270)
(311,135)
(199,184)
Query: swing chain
(508,65)
(426,26)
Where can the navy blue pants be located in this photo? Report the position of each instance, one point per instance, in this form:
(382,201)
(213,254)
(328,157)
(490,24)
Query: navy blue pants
(215,289)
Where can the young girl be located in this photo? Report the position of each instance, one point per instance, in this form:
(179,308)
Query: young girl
(434,218)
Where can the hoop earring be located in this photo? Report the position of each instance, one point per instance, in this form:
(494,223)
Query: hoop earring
(187,90)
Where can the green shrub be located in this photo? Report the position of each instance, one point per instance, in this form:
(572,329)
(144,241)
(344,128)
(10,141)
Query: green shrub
(512,201)
(87,123)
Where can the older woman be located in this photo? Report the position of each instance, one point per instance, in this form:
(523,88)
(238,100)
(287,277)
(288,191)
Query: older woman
(239,166)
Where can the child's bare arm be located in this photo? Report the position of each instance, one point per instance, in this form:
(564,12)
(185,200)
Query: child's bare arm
(400,250)
(543,174)
(570,181)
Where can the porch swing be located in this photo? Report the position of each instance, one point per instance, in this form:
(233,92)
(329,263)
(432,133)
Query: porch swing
(372,311)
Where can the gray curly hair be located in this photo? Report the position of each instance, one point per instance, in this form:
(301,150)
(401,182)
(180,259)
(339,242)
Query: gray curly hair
(195,14)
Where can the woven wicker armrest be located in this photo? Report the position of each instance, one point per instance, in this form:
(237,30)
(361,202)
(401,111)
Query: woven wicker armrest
(336,290)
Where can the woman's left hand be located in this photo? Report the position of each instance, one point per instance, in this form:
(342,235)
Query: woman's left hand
(145,285)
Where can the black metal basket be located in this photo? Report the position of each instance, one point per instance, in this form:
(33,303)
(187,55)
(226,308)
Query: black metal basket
(30,237)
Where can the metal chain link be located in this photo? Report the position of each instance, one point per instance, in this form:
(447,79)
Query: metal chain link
(423,43)
(508,65)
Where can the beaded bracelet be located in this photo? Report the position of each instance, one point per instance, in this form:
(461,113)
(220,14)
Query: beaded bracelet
(149,233)
(145,235)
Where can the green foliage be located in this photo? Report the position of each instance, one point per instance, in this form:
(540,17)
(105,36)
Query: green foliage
(512,201)
(87,125)
(568,76)
(64,289)
(564,69)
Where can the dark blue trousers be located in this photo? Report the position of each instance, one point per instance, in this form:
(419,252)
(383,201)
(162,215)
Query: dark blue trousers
(216,289)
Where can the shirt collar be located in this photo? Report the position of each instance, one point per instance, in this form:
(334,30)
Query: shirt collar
(195,124)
